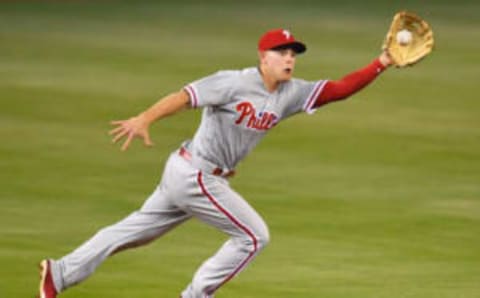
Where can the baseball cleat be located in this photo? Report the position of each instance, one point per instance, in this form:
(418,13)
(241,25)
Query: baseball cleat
(47,288)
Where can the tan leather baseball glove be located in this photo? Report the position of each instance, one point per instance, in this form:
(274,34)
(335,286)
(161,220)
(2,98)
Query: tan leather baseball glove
(409,39)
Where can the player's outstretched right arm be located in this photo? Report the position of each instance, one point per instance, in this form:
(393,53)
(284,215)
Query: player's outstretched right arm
(138,126)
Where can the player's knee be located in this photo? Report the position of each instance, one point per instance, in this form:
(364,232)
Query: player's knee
(253,242)
(261,238)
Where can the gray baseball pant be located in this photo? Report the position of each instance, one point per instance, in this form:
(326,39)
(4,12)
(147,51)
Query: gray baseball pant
(185,191)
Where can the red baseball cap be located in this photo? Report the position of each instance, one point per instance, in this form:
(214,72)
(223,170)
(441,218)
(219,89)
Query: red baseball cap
(280,38)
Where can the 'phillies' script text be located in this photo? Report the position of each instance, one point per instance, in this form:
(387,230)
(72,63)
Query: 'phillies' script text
(264,120)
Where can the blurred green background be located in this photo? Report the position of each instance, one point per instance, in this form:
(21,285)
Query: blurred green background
(378,196)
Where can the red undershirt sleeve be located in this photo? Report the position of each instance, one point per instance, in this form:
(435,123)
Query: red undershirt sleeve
(350,84)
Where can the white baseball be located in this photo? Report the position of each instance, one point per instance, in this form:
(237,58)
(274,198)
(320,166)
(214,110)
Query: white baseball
(404,37)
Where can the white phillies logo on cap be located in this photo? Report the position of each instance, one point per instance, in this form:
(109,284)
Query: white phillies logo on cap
(280,38)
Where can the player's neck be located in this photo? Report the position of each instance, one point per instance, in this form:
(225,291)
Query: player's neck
(270,83)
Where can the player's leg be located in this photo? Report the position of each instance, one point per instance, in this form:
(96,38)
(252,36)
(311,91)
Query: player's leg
(223,208)
(157,216)
(137,229)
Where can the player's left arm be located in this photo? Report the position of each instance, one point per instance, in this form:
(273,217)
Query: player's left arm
(353,82)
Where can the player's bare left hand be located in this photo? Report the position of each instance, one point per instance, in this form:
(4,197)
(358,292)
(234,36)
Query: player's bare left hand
(385,59)
(131,128)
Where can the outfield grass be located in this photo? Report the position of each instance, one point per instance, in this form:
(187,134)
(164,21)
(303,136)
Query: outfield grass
(378,196)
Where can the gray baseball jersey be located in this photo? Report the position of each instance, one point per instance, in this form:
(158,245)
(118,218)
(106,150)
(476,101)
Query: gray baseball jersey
(238,111)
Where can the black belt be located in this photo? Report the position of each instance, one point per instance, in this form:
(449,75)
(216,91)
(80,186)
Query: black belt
(216,171)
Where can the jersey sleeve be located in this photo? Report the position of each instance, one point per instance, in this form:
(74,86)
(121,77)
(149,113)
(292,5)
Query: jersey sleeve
(215,89)
(304,95)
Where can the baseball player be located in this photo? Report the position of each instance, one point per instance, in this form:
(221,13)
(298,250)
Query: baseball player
(239,108)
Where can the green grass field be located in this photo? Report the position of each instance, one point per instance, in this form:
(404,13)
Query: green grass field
(375,197)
